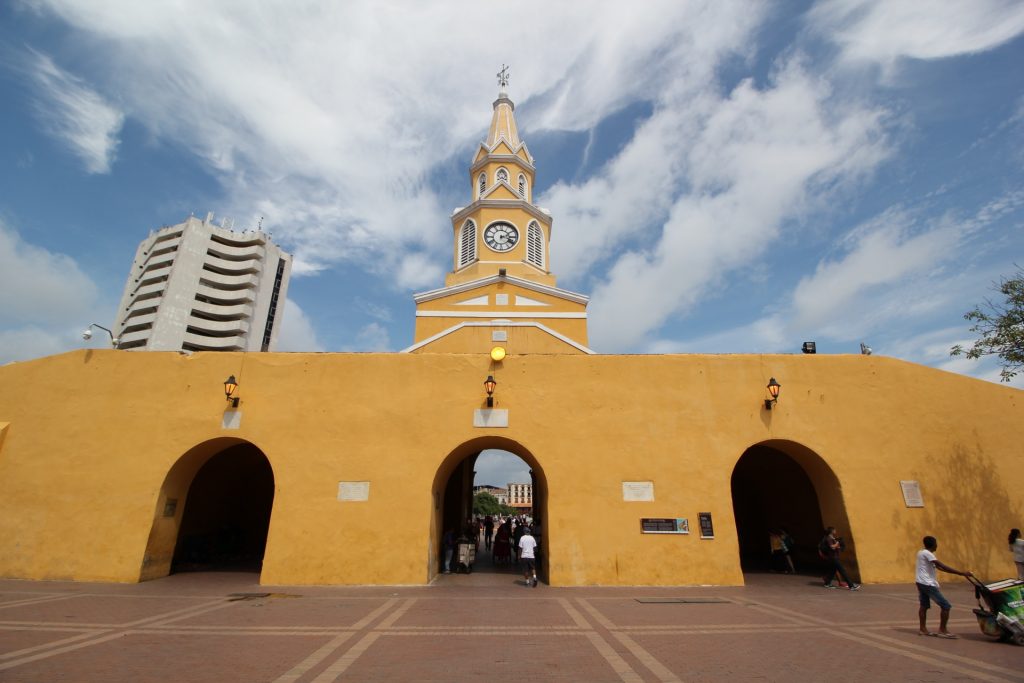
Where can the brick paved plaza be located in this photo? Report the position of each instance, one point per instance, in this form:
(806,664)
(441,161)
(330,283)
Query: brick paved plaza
(221,627)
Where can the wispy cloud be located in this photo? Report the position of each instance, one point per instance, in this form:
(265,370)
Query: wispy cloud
(884,31)
(754,159)
(76,114)
(887,280)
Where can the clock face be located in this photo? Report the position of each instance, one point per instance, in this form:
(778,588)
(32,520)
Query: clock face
(501,236)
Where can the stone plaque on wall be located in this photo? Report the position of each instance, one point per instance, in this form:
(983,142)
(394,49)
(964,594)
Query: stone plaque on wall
(354,491)
(637,491)
(912,494)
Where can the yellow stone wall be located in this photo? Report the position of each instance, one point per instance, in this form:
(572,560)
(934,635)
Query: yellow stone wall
(91,437)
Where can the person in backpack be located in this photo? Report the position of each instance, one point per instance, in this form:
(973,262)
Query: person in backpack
(829,549)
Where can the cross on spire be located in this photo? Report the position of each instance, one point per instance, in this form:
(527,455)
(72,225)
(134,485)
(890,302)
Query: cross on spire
(503,77)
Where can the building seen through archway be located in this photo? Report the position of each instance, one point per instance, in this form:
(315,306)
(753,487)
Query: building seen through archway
(474,466)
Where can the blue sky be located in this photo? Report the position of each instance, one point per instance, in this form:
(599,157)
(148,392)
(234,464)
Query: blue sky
(725,177)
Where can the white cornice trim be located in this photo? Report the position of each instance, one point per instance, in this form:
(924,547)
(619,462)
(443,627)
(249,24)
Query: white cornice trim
(507,314)
(502,159)
(498,184)
(498,323)
(485,281)
(501,138)
(526,206)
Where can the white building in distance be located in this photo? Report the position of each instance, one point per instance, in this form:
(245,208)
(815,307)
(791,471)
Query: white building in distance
(199,287)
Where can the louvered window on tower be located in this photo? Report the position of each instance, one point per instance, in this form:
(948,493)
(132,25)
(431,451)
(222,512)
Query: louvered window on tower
(522,186)
(483,184)
(502,176)
(467,244)
(535,245)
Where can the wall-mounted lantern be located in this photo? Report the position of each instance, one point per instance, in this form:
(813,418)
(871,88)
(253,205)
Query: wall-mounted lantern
(773,391)
(489,385)
(230,386)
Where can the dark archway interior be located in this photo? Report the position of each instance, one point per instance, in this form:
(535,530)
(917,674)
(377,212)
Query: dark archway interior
(771,490)
(227,513)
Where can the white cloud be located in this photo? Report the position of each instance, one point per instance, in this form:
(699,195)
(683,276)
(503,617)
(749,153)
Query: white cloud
(889,278)
(76,114)
(883,31)
(748,162)
(297,332)
(42,295)
(329,119)
(38,286)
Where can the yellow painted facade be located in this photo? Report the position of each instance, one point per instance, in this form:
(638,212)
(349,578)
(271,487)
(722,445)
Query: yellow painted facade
(357,462)
(97,441)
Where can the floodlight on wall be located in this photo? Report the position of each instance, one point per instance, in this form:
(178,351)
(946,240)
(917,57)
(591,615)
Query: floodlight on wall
(809,347)
(489,385)
(87,334)
(230,387)
(773,390)
(865,349)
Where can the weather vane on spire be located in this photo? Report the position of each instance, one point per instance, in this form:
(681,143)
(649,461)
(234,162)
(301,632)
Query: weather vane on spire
(503,77)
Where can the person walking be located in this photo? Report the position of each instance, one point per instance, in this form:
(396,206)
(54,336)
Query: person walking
(448,546)
(928,587)
(488,531)
(1017,548)
(830,548)
(527,546)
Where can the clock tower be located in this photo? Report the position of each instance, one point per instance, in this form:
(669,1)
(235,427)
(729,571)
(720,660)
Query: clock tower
(500,291)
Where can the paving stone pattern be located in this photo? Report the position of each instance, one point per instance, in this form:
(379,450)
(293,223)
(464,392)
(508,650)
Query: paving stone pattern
(225,627)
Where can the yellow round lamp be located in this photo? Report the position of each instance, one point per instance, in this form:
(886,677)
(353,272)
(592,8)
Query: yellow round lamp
(498,354)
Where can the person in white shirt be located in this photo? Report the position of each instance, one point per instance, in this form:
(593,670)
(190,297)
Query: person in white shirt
(527,546)
(928,587)
(1017,548)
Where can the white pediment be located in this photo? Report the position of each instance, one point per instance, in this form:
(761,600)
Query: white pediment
(475,301)
(527,301)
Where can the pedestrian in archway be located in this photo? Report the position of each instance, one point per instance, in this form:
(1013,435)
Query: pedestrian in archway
(488,531)
(527,546)
(830,548)
(928,587)
(448,547)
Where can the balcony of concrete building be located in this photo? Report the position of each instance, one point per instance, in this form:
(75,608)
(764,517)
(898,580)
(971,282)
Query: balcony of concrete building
(230,252)
(222,282)
(133,339)
(225,267)
(201,342)
(217,328)
(137,322)
(213,311)
(236,239)
(158,261)
(224,297)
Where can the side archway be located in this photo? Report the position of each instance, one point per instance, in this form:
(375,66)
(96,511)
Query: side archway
(213,511)
(452,496)
(784,484)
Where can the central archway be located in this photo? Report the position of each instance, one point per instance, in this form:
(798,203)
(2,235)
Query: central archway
(452,497)
(783,484)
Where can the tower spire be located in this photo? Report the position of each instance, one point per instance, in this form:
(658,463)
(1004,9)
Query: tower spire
(503,123)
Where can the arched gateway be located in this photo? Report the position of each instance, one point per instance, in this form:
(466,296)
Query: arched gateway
(213,511)
(783,484)
(452,496)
